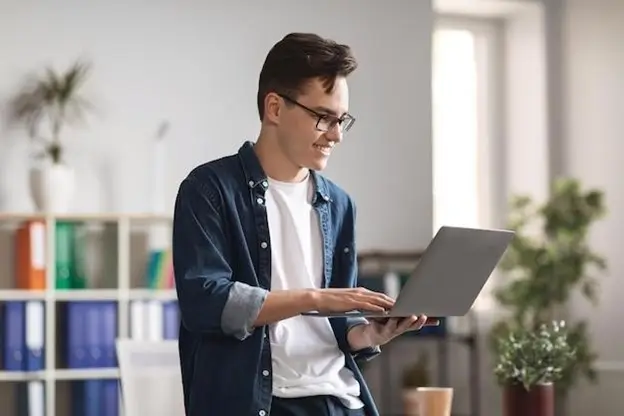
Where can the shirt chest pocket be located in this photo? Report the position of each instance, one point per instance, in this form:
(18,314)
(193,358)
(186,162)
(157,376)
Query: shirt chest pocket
(345,266)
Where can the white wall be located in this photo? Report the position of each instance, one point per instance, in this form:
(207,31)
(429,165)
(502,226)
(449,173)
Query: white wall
(593,150)
(527,142)
(196,64)
(564,109)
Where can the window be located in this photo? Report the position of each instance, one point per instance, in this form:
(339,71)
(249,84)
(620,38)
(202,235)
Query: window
(464,121)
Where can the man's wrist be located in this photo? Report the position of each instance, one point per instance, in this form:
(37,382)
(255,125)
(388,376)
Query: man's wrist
(308,299)
(358,338)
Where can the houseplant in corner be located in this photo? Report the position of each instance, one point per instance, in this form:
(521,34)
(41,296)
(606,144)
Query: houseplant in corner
(45,106)
(527,364)
(549,261)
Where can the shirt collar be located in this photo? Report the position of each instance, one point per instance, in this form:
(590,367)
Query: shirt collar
(255,176)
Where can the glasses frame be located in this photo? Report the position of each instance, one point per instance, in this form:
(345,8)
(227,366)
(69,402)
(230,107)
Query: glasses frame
(345,122)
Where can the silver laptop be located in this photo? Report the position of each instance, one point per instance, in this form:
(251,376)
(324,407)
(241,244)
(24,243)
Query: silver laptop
(449,276)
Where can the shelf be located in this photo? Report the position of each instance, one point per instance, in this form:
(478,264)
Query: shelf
(116,253)
(16,294)
(88,294)
(18,376)
(103,217)
(151,294)
(85,374)
(85,294)
(60,374)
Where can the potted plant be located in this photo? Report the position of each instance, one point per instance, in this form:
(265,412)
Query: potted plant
(45,106)
(548,261)
(416,375)
(527,364)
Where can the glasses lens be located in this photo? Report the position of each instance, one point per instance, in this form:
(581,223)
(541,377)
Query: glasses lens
(346,124)
(327,123)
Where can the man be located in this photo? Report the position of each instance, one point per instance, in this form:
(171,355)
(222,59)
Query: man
(260,237)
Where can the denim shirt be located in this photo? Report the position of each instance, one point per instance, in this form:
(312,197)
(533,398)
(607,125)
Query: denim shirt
(222,265)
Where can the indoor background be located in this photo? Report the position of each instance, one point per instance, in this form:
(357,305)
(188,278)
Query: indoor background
(460,105)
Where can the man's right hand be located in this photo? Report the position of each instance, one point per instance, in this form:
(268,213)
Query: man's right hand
(346,300)
(284,304)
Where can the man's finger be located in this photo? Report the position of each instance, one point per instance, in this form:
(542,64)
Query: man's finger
(391,325)
(369,306)
(407,323)
(419,323)
(384,301)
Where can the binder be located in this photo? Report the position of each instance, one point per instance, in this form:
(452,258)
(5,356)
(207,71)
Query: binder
(154,320)
(108,320)
(35,335)
(76,313)
(30,398)
(110,405)
(138,328)
(64,240)
(96,337)
(171,320)
(30,256)
(14,346)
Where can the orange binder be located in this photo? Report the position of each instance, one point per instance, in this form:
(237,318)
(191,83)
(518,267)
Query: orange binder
(30,256)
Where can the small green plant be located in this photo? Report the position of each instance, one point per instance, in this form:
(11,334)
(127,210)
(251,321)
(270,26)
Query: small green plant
(548,261)
(417,374)
(532,357)
(46,104)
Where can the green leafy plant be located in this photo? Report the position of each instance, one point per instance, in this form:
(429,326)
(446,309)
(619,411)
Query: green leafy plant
(530,357)
(46,104)
(417,374)
(547,262)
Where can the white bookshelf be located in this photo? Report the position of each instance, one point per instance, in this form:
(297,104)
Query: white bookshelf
(124,287)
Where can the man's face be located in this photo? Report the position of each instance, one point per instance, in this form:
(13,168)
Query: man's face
(299,130)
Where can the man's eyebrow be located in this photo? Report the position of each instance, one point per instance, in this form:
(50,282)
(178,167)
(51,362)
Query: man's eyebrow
(326,111)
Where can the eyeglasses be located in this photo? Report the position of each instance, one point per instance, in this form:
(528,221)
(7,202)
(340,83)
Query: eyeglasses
(325,122)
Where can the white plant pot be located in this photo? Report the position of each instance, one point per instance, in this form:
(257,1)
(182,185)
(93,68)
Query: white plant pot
(52,187)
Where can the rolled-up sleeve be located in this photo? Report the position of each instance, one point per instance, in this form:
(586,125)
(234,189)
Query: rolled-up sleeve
(211,300)
(241,309)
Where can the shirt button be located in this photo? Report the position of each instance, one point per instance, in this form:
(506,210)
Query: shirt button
(265,373)
(262,413)
(264,244)
(260,201)
(346,250)
(265,184)
(251,183)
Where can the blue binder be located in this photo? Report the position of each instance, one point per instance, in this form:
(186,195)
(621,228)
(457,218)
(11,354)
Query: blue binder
(14,347)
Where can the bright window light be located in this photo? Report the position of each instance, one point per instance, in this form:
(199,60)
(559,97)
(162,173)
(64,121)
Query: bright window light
(463,120)
(455,129)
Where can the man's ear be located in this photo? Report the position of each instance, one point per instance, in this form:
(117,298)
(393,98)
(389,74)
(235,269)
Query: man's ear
(272,107)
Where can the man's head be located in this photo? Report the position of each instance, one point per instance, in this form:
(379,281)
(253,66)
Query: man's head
(303,97)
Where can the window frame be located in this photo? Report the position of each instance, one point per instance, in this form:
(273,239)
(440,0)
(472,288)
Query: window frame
(490,59)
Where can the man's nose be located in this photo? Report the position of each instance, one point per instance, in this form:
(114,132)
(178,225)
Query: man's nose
(334,133)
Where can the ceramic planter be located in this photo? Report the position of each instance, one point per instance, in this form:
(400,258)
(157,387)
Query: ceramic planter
(52,187)
(538,401)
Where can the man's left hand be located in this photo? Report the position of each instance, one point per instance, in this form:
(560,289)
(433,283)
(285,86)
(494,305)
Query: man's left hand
(381,331)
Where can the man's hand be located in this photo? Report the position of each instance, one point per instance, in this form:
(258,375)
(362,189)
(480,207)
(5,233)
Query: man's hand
(378,332)
(346,300)
(284,304)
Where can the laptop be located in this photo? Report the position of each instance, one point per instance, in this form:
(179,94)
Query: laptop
(449,276)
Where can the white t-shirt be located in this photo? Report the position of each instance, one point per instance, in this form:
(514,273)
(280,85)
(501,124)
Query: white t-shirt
(306,357)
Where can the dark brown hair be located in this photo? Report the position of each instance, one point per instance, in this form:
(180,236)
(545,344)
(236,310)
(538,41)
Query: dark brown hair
(298,58)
